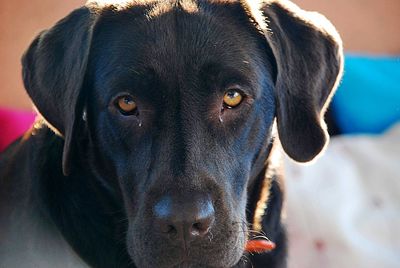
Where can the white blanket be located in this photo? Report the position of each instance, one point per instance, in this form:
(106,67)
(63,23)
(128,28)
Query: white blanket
(344,210)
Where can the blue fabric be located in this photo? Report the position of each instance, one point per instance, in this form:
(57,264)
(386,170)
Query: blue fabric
(368,99)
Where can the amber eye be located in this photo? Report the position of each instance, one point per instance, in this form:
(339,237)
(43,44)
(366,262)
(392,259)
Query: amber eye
(232,98)
(126,105)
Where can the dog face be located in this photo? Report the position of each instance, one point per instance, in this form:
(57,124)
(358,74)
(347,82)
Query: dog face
(179,102)
(182,143)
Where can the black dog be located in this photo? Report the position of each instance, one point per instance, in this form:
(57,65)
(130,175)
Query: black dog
(153,148)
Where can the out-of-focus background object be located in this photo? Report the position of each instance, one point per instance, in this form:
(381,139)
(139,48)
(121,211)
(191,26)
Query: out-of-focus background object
(343,211)
(20,22)
(13,123)
(369,96)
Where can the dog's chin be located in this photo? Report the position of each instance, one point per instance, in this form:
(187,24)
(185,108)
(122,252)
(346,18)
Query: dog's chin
(226,256)
(178,262)
(191,264)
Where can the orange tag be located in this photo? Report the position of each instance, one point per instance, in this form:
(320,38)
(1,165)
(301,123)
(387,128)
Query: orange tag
(259,246)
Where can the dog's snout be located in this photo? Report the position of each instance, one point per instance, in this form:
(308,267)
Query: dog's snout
(184,219)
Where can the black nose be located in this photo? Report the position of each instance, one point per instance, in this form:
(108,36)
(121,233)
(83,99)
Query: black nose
(185,218)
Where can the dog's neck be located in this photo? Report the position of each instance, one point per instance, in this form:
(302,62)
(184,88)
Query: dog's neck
(265,172)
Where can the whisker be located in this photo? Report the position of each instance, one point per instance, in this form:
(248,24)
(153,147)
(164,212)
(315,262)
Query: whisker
(246,259)
(210,236)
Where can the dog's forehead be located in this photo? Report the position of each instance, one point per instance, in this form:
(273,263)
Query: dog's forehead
(177,40)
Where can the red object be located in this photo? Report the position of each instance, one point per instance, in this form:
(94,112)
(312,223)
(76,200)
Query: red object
(319,244)
(259,246)
(13,124)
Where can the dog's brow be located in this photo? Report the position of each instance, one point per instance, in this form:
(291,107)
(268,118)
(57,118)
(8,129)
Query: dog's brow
(228,75)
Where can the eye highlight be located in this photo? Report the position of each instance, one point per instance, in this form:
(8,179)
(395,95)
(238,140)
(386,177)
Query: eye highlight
(232,98)
(126,105)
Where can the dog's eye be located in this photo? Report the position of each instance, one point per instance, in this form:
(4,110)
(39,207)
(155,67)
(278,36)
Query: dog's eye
(232,98)
(126,105)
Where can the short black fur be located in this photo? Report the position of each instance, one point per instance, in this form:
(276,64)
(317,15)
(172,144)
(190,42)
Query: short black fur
(84,186)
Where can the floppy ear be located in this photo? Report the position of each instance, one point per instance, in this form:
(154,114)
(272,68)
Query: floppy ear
(54,67)
(308,55)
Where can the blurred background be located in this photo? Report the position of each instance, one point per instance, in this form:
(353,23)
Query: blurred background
(342,211)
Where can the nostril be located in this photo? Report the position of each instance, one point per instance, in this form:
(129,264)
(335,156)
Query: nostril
(186,218)
(202,227)
(171,229)
(199,229)
(168,229)
(197,226)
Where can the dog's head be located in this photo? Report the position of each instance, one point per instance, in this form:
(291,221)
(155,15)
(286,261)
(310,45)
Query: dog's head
(175,103)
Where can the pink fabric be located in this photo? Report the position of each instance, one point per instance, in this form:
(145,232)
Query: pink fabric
(13,123)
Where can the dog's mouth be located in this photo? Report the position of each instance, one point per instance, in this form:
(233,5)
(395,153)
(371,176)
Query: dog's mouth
(256,245)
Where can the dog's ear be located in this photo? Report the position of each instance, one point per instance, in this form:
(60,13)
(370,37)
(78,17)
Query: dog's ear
(54,68)
(308,57)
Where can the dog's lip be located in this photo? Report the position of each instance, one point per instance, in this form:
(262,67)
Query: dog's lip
(183,264)
(187,263)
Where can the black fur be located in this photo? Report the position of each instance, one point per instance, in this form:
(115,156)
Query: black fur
(93,184)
